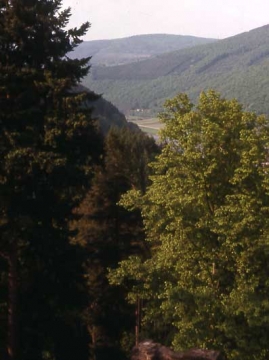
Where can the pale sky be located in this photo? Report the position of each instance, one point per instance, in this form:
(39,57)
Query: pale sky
(112,19)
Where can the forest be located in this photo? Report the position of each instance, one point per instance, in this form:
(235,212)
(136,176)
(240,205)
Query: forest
(108,238)
(234,66)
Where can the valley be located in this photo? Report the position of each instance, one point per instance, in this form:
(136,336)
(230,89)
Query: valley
(234,66)
(150,126)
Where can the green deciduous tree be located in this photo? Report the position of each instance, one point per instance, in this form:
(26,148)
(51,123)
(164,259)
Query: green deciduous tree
(48,144)
(206,218)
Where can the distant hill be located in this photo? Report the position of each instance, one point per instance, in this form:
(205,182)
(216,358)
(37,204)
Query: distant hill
(106,113)
(237,67)
(109,116)
(134,48)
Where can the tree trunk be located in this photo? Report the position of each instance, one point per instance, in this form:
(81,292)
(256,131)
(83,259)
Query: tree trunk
(138,321)
(12,305)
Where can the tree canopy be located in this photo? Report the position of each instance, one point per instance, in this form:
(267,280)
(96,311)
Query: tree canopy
(48,145)
(109,233)
(206,219)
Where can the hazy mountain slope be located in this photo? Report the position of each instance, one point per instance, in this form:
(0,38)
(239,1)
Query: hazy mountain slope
(106,113)
(134,48)
(109,116)
(236,66)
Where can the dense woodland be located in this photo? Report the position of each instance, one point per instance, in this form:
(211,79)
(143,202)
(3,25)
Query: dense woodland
(108,238)
(234,66)
(134,48)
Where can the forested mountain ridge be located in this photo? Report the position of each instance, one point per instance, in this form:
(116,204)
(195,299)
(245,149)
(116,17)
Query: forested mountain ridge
(235,66)
(134,48)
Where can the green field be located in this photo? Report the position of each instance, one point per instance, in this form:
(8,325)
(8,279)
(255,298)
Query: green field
(149,125)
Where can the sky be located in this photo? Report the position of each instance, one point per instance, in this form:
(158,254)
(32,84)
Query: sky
(111,19)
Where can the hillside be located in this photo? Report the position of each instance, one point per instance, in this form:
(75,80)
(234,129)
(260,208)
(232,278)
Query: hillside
(106,113)
(237,67)
(109,116)
(134,48)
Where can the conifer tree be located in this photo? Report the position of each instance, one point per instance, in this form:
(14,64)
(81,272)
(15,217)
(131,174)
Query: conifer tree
(109,233)
(48,144)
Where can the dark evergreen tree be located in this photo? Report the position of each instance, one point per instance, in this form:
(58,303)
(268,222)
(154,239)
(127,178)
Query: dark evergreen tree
(109,233)
(48,144)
